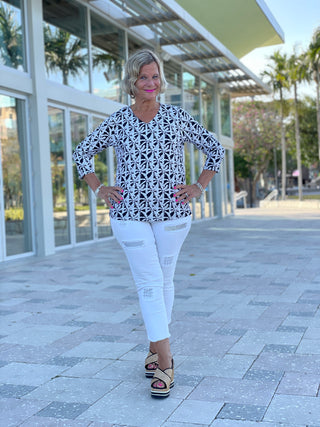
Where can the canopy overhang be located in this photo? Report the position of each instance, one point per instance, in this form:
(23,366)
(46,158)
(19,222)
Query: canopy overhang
(177,35)
(240,25)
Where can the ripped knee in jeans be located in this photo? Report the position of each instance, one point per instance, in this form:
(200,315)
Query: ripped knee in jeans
(168,260)
(147,293)
(175,227)
(133,243)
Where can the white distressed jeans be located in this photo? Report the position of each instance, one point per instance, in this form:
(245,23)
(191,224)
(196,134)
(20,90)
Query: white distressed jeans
(152,250)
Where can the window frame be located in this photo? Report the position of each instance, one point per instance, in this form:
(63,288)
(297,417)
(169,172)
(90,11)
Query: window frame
(28,177)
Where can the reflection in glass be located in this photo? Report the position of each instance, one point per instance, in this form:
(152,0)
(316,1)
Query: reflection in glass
(191,104)
(58,176)
(206,203)
(107,58)
(198,165)
(191,94)
(187,162)
(207,113)
(228,182)
(14,161)
(190,175)
(173,74)
(207,105)
(101,169)
(134,45)
(12,51)
(78,125)
(66,51)
(225,115)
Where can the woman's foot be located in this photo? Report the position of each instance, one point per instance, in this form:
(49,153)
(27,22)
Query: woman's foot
(165,361)
(151,364)
(162,382)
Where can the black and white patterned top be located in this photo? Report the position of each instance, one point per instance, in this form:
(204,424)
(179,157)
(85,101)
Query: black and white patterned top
(150,160)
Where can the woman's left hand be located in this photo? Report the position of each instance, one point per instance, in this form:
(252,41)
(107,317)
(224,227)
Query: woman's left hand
(184,193)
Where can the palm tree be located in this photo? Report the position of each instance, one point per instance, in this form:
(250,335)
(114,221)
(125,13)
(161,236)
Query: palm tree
(314,63)
(63,53)
(298,71)
(11,45)
(278,78)
(106,60)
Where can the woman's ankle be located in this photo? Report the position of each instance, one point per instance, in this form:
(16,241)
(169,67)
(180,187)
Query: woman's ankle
(162,348)
(165,362)
(152,347)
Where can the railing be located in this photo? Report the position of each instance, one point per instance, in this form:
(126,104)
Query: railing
(241,195)
(272,195)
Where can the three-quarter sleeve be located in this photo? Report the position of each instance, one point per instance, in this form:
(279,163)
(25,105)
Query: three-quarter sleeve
(93,144)
(150,161)
(203,139)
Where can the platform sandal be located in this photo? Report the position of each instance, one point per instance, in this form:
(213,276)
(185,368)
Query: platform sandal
(151,359)
(167,378)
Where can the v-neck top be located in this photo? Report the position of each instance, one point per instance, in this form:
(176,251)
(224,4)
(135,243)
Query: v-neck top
(150,159)
(143,120)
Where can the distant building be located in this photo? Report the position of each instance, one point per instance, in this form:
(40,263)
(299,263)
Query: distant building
(61,65)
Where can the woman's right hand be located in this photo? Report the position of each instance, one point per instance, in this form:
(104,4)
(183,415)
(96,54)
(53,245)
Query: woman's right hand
(107,193)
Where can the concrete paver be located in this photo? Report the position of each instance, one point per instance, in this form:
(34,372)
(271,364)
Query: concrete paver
(245,331)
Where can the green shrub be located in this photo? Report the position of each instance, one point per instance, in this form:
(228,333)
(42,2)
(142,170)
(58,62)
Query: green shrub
(13,214)
(306,197)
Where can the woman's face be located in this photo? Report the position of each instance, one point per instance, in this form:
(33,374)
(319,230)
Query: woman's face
(148,82)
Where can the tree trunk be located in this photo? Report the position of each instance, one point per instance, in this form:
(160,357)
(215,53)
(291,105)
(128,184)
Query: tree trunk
(254,191)
(65,76)
(283,151)
(297,127)
(318,108)
(275,165)
(256,177)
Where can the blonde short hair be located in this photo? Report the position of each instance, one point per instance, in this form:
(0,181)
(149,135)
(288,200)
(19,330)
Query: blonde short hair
(133,67)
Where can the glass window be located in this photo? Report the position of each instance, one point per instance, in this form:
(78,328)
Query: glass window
(208,208)
(103,173)
(83,214)
(225,115)
(66,51)
(207,105)
(15,176)
(187,162)
(228,181)
(134,45)
(58,176)
(197,157)
(191,104)
(191,94)
(12,39)
(107,58)
(173,74)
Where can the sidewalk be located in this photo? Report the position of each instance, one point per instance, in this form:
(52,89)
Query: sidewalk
(245,335)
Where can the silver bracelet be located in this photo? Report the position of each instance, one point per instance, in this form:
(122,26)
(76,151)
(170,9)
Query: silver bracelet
(96,191)
(200,187)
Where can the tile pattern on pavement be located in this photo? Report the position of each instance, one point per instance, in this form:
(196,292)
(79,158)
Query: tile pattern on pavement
(245,331)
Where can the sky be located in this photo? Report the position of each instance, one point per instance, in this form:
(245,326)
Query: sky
(298,19)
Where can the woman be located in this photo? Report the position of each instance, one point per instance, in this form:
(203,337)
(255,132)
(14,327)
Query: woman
(149,209)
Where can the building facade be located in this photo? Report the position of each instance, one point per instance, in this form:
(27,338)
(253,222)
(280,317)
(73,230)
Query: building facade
(61,64)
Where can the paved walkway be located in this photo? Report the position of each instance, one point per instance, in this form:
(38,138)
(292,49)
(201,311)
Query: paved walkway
(245,336)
